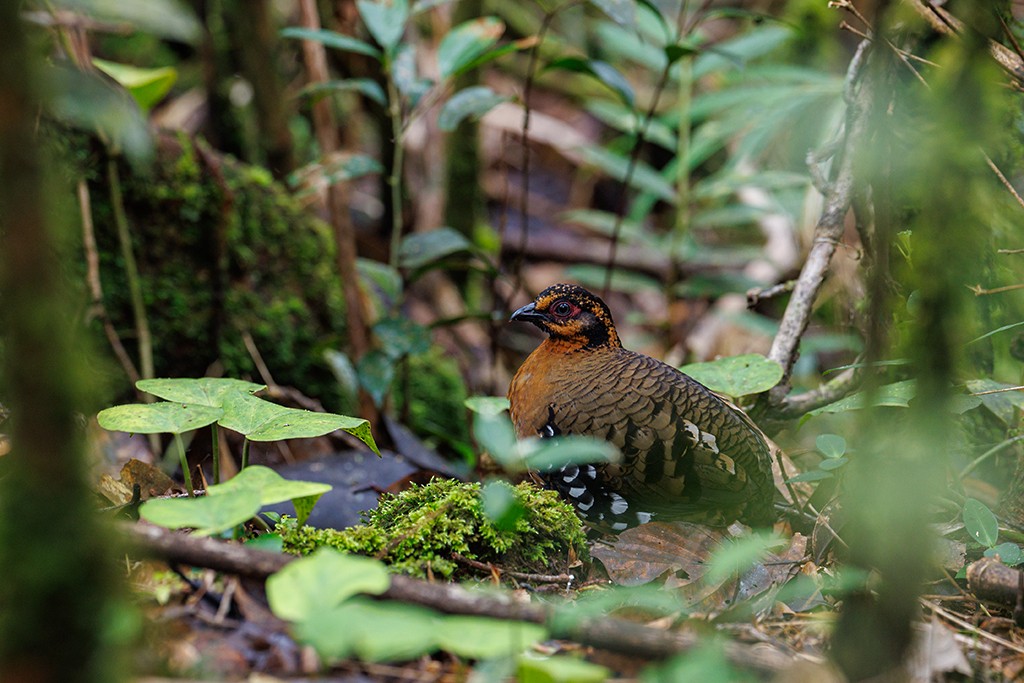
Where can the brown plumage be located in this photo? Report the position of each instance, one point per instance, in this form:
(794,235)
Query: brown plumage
(686,453)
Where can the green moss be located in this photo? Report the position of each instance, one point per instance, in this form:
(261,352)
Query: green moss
(223,251)
(435,394)
(423,526)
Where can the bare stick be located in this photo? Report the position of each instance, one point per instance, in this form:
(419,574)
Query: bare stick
(609,633)
(92,278)
(827,235)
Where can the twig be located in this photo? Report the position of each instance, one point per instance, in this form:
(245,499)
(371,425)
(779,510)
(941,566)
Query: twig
(92,278)
(608,633)
(836,388)
(964,624)
(827,235)
(519,576)
(978,290)
(759,294)
(145,342)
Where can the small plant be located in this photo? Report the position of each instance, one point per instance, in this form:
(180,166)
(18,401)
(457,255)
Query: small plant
(983,527)
(194,403)
(419,530)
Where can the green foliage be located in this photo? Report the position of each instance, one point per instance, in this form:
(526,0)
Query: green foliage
(227,505)
(737,376)
(265,268)
(418,530)
(320,594)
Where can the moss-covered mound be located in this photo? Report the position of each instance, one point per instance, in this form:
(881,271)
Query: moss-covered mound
(424,526)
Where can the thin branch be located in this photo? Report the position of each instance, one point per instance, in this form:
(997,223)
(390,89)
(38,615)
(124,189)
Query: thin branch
(92,278)
(827,235)
(143,338)
(838,387)
(608,633)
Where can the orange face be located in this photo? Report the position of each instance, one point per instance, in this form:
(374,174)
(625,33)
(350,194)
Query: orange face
(571,315)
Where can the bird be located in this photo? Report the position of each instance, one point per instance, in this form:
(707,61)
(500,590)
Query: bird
(687,454)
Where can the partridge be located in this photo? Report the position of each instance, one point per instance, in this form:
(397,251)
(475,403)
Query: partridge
(686,453)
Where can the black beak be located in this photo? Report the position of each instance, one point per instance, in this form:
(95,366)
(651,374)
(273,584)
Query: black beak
(528,314)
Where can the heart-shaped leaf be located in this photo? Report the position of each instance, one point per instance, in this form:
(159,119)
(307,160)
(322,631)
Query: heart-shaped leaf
(322,581)
(205,391)
(207,515)
(158,418)
(737,375)
(261,420)
(273,488)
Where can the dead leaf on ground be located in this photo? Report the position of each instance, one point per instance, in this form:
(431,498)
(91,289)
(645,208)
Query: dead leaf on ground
(642,554)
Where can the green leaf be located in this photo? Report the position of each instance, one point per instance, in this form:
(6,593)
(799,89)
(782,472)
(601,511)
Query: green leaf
(546,454)
(332,39)
(384,20)
(645,178)
(1009,554)
(830,445)
(271,543)
(406,76)
(157,418)
(465,42)
(677,51)
(738,375)
(86,101)
(487,405)
(833,463)
(735,557)
(207,514)
(376,371)
(204,391)
(423,248)
(483,638)
(500,505)
(813,475)
(472,102)
(981,524)
(365,86)
(322,581)
(604,72)
(381,279)
(146,86)
(272,487)
(261,420)
(560,669)
(370,630)
(494,433)
(895,395)
(400,336)
(622,12)
(165,18)
(1005,405)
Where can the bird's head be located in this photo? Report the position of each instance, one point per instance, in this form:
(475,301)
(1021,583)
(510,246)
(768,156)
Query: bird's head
(572,315)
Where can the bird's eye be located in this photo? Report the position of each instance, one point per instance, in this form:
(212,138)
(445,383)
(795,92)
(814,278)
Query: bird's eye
(562,309)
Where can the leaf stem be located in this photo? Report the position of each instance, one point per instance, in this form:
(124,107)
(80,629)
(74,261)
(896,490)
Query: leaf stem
(395,178)
(245,453)
(184,465)
(215,432)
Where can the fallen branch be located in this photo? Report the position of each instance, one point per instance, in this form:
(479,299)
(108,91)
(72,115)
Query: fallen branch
(990,579)
(608,633)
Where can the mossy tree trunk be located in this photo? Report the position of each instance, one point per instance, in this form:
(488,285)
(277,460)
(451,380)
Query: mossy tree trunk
(54,559)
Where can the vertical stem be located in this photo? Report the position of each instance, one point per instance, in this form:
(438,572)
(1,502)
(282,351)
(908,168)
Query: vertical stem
(682,222)
(245,453)
(215,432)
(145,343)
(395,179)
(184,464)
